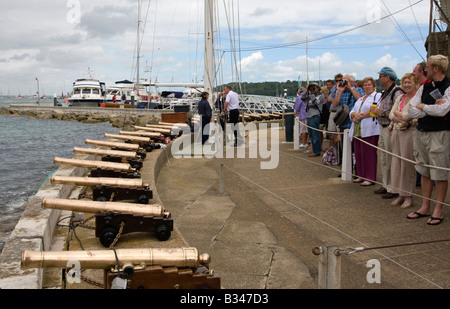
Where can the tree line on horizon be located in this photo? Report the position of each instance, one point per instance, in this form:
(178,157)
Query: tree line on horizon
(276,89)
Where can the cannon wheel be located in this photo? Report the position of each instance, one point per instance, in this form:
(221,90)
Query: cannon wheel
(102,198)
(107,236)
(162,232)
(136,166)
(143,199)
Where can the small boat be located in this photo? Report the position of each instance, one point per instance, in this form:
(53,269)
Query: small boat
(122,92)
(88,93)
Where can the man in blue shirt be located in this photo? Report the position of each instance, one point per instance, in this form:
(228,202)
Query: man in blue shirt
(348,94)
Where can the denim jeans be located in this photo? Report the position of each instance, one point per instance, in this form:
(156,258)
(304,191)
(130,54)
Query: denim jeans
(314,135)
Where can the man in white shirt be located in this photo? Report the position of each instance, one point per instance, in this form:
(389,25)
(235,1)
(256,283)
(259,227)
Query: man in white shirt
(232,108)
(431,105)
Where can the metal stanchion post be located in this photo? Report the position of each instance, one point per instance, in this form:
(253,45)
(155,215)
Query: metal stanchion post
(347,159)
(329,267)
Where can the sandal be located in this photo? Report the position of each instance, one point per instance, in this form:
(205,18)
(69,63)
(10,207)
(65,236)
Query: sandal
(398,202)
(358,180)
(419,215)
(367,183)
(407,205)
(439,220)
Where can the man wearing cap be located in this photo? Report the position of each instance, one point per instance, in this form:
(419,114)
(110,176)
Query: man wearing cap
(431,105)
(387,77)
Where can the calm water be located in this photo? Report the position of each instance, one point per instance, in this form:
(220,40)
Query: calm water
(27,150)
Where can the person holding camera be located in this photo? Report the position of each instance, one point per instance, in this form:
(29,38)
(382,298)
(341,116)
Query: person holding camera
(347,94)
(314,100)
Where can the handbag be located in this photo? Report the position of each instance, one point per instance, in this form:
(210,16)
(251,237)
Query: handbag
(342,114)
(331,156)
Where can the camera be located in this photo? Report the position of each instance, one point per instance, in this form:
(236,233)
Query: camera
(343,83)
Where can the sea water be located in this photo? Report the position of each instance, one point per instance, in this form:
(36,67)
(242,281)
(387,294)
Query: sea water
(27,150)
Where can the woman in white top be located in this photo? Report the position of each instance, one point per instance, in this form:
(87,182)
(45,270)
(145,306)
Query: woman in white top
(403,173)
(365,128)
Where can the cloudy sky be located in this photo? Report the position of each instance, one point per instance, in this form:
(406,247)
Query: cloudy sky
(57,41)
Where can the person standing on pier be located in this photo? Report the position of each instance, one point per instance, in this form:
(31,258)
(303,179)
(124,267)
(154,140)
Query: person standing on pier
(431,105)
(314,99)
(232,107)
(205,112)
(387,78)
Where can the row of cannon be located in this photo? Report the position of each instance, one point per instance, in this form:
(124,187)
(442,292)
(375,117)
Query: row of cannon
(121,204)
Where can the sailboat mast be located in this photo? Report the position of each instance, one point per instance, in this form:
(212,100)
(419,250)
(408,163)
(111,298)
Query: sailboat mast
(209,48)
(138,48)
(307,69)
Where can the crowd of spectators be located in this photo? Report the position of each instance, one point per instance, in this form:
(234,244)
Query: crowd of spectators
(402,128)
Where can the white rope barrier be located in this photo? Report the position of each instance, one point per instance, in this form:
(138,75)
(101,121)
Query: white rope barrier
(390,153)
(349,175)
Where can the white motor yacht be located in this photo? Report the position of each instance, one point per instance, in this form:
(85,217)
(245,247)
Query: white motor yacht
(88,93)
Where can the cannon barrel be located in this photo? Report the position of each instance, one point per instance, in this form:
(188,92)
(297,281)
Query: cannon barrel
(175,126)
(156,134)
(96,181)
(129,137)
(156,130)
(112,144)
(105,152)
(98,207)
(93,164)
(178,124)
(104,259)
(161,126)
(137,133)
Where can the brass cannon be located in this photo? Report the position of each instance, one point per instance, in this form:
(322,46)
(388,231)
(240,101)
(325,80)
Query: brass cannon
(176,129)
(119,146)
(101,168)
(143,142)
(113,156)
(147,268)
(160,131)
(112,217)
(110,189)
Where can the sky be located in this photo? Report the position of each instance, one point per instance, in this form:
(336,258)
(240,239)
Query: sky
(59,41)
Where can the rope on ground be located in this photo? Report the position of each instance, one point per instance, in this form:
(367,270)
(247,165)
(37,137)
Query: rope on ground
(388,152)
(376,182)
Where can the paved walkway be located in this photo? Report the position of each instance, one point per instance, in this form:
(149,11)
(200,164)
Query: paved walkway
(261,231)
